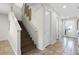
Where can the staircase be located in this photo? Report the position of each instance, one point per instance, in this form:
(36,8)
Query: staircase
(26,41)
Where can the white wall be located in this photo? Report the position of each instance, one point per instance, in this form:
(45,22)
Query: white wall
(54,27)
(17,8)
(37,21)
(38,14)
(4,27)
(60,28)
(5,8)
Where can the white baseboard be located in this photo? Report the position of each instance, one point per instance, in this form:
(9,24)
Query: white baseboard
(53,42)
(40,48)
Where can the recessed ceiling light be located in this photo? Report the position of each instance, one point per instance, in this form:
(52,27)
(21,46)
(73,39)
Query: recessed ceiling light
(64,6)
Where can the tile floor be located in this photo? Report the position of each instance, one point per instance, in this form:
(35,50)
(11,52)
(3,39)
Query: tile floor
(67,46)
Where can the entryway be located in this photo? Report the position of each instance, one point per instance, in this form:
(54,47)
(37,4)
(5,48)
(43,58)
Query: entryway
(70,27)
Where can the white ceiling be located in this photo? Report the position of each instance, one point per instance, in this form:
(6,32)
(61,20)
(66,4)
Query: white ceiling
(70,10)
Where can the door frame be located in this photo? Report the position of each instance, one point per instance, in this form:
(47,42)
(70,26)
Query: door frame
(75,24)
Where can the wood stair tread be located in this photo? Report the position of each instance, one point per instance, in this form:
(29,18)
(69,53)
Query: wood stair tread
(27,50)
(26,41)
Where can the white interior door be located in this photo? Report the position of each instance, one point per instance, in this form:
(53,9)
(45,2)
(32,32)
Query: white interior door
(47,28)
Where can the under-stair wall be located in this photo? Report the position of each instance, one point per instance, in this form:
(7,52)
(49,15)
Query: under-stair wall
(15,32)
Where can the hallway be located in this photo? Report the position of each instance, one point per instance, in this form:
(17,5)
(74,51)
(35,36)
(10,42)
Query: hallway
(67,46)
